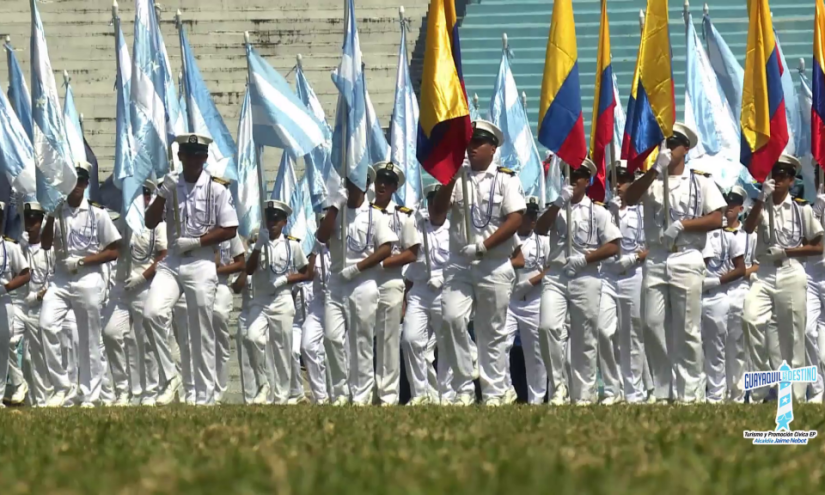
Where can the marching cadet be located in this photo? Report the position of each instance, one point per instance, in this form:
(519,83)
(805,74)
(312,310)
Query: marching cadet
(230,262)
(14,273)
(391,287)
(85,239)
(725,261)
(479,268)
(525,305)
(279,262)
(780,288)
(126,342)
(301,297)
(735,352)
(422,320)
(815,328)
(675,268)
(202,218)
(573,286)
(620,307)
(312,331)
(353,291)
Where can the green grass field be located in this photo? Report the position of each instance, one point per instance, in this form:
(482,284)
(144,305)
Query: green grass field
(324,450)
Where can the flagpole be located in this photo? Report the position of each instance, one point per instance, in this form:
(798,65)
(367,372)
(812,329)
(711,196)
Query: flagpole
(258,149)
(125,246)
(342,215)
(568,246)
(465,194)
(185,87)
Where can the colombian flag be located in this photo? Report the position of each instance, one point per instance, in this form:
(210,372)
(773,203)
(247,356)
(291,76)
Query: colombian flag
(561,127)
(444,127)
(651,111)
(818,87)
(764,126)
(601,130)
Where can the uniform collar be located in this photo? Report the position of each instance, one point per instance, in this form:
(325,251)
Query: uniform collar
(787,202)
(584,203)
(491,169)
(203,180)
(83,206)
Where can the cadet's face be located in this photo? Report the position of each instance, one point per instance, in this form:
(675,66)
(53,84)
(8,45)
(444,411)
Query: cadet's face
(528,223)
(732,213)
(480,152)
(623,185)
(783,181)
(275,224)
(192,163)
(384,189)
(33,222)
(579,183)
(79,189)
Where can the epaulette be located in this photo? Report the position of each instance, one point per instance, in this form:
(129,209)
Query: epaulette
(694,171)
(97,205)
(7,238)
(382,210)
(404,209)
(506,170)
(221,181)
(800,201)
(293,238)
(731,229)
(599,203)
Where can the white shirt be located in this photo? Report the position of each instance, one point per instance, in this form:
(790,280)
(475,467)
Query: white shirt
(367,230)
(692,195)
(438,239)
(494,194)
(12,261)
(535,249)
(592,228)
(631,226)
(283,256)
(227,251)
(402,223)
(793,222)
(41,265)
(723,246)
(89,231)
(203,206)
(144,248)
(816,266)
(320,281)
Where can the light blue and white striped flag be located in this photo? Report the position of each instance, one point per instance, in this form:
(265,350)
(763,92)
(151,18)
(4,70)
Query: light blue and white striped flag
(176,123)
(286,180)
(148,111)
(404,129)
(727,68)
(519,152)
(124,141)
(280,119)
(618,119)
(16,152)
(19,97)
(248,203)
(203,116)
(71,119)
(56,175)
(287,188)
(805,99)
(791,102)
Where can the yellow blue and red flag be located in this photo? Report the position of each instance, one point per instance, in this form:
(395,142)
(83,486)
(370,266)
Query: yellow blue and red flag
(818,87)
(763,122)
(444,127)
(561,127)
(651,111)
(604,104)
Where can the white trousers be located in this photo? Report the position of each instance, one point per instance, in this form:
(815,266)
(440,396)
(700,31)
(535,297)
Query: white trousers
(269,329)
(312,350)
(249,385)
(488,283)
(296,385)
(6,351)
(220,320)
(15,372)
(715,314)
(736,361)
(672,295)
(40,385)
(388,340)
(578,298)
(815,328)
(198,281)
(84,295)
(523,318)
(778,292)
(419,340)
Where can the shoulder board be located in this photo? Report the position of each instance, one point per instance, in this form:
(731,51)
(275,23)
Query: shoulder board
(220,181)
(800,201)
(375,206)
(505,170)
(699,172)
(98,205)
(293,238)
(9,239)
(731,229)
(599,203)
(404,209)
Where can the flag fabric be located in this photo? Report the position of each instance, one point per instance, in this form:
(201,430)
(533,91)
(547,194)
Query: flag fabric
(378,149)
(619,119)
(147,112)
(651,111)
(176,122)
(604,104)
(286,180)
(561,124)
(71,119)
(320,173)
(519,151)
(204,118)
(444,126)
(93,191)
(125,146)
(16,152)
(301,224)
(55,171)
(248,203)
(404,129)
(728,71)
(19,97)
(474,109)
(764,127)
(553,179)
(279,118)
(805,102)
(818,87)
(791,103)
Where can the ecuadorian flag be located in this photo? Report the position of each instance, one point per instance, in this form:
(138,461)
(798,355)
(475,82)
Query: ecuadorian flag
(604,103)
(444,127)
(561,127)
(818,87)
(763,122)
(651,111)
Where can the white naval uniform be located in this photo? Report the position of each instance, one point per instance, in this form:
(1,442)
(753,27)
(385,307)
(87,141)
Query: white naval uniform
(486,282)
(620,313)
(203,206)
(780,291)
(16,376)
(13,262)
(89,230)
(134,369)
(523,317)
(736,357)
(312,331)
(815,327)
(41,266)
(577,296)
(302,297)
(672,286)
(390,303)
(722,248)
(351,308)
(227,251)
(422,321)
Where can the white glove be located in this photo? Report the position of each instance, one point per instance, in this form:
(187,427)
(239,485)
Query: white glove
(350,272)
(185,244)
(522,288)
(710,283)
(337,198)
(473,250)
(663,160)
(627,262)
(3,290)
(279,282)
(135,281)
(31,299)
(615,204)
(777,254)
(574,264)
(435,283)
(768,187)
(263,237)
(564,196)
(672,232)
(71,263)
(169,184)
(318,248)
